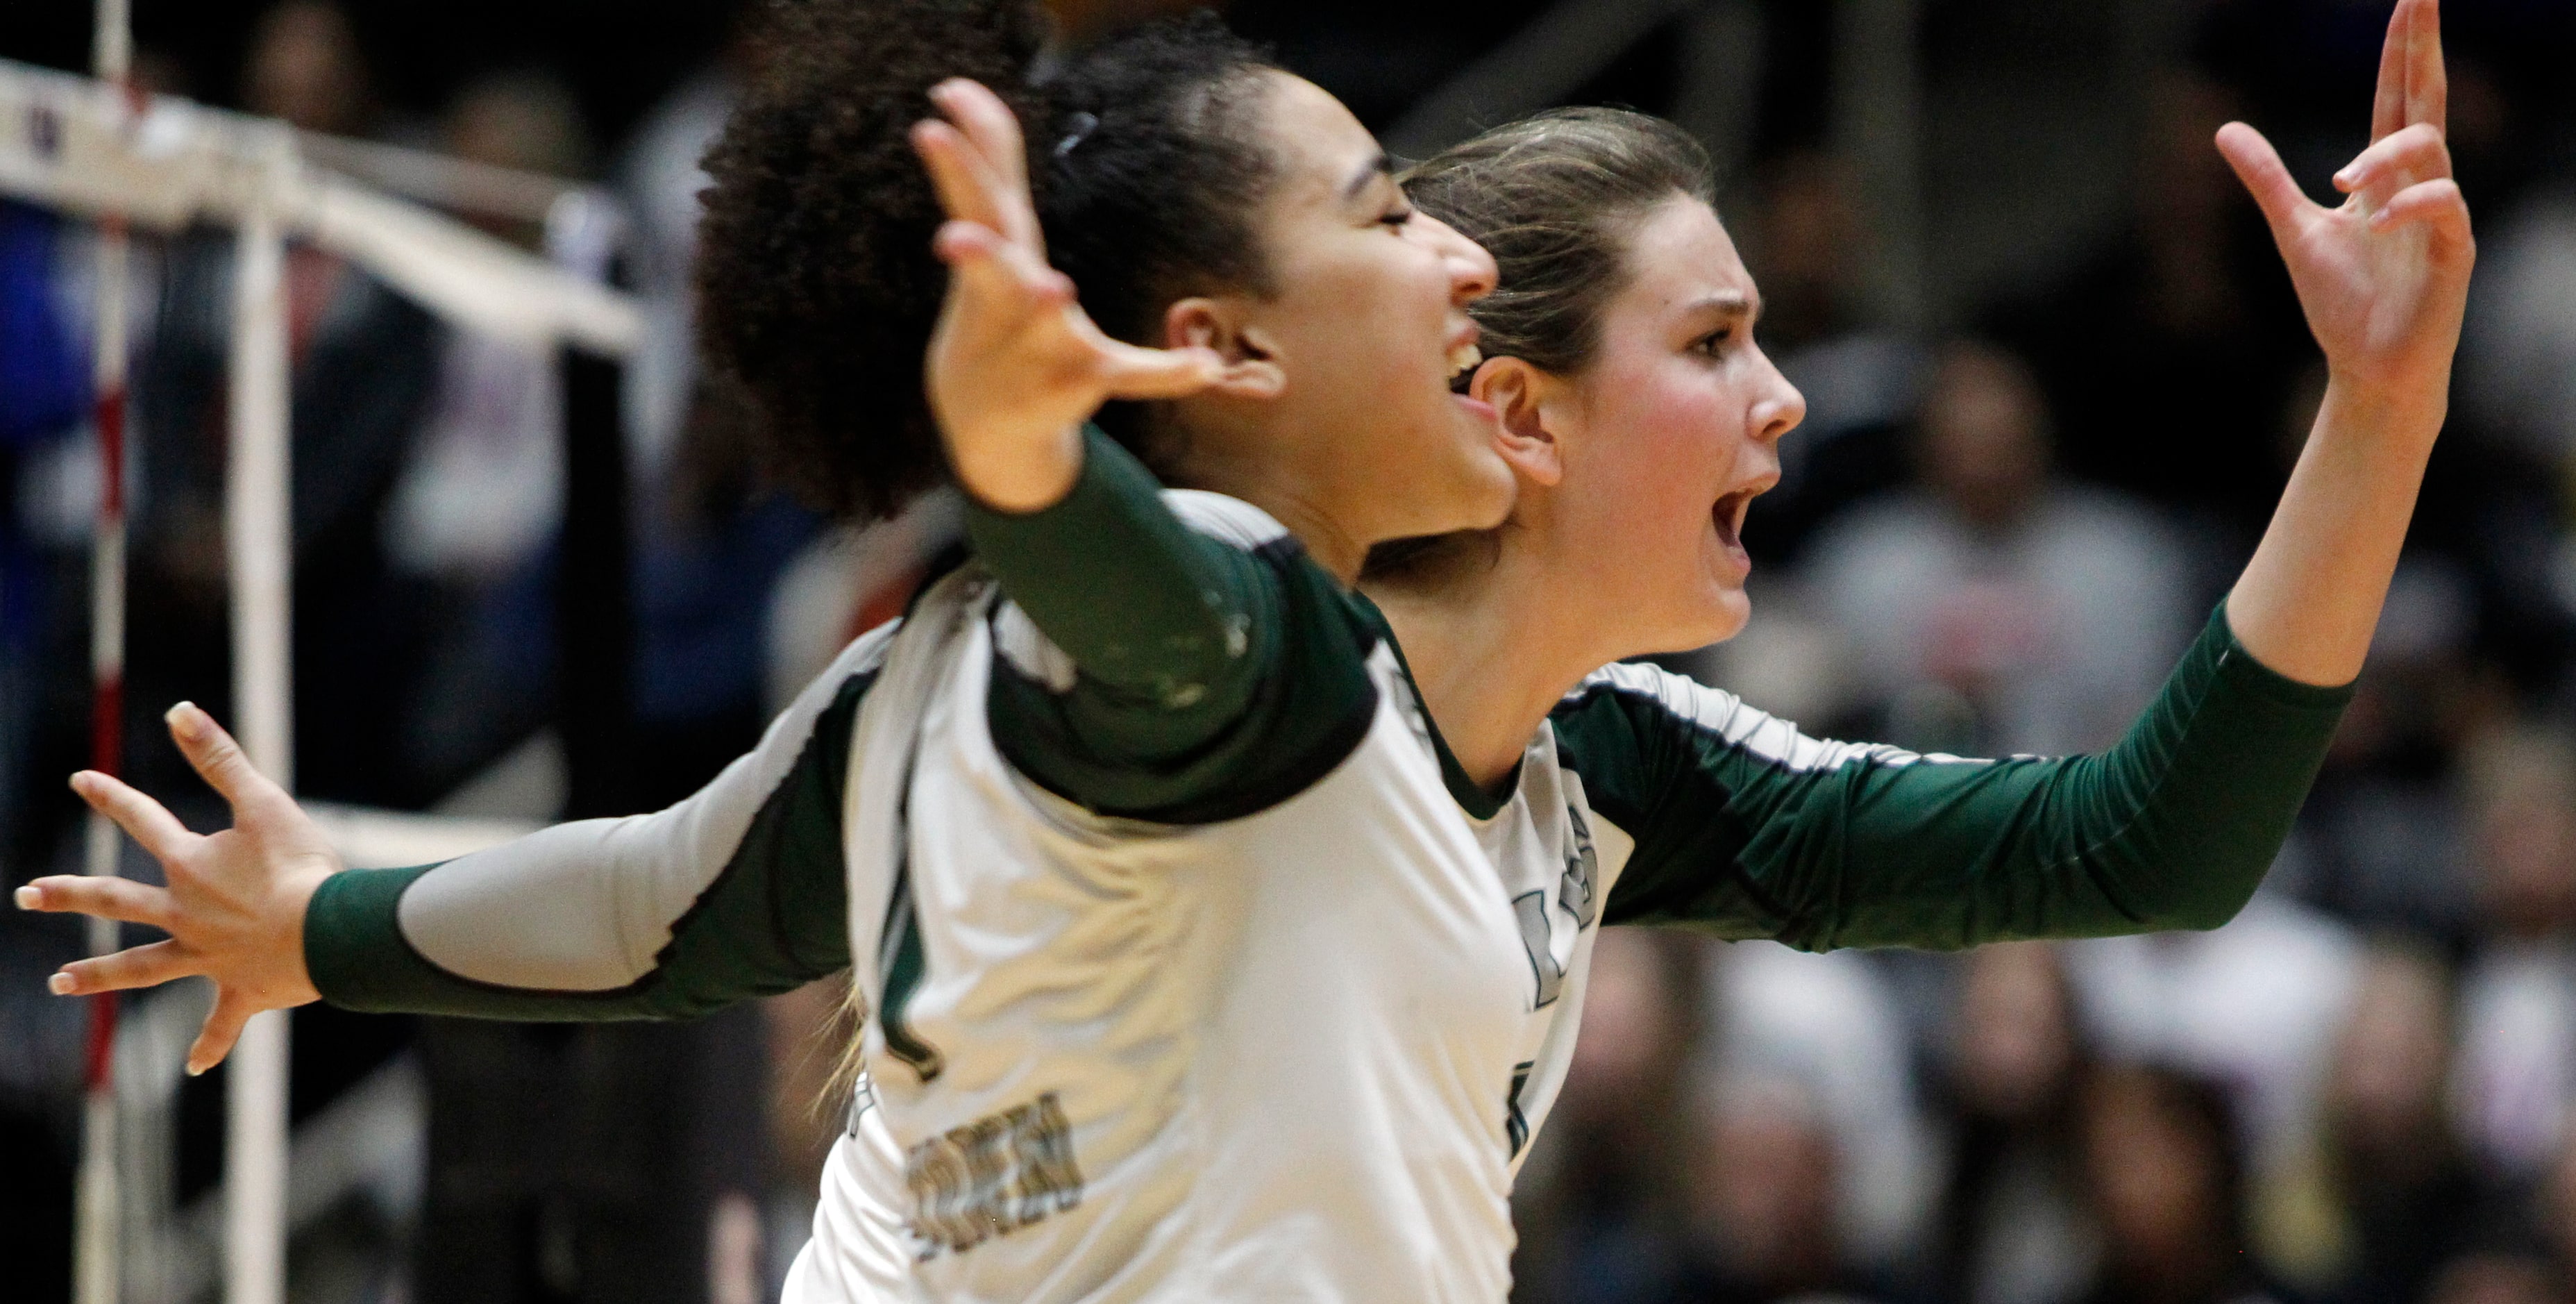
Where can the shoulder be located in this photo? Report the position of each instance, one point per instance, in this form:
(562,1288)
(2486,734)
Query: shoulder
(1227,519)
(1650,699)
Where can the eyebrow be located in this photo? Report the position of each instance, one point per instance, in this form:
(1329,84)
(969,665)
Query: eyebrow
(1726,304)
(1380,166)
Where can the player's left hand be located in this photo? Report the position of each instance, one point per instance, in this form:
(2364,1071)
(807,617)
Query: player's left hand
(2384,276)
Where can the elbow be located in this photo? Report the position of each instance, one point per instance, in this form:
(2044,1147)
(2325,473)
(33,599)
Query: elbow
(2204,894)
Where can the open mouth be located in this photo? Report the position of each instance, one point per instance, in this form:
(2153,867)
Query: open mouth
(1728,517)
(1464,357)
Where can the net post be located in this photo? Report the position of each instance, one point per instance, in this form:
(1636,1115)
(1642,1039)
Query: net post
(97,1242)
(258,547)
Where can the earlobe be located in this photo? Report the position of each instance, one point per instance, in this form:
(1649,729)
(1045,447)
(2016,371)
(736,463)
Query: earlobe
(1514,389)
(1250,369)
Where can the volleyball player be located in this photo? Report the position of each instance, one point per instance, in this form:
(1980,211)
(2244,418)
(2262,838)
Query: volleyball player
(1669,768)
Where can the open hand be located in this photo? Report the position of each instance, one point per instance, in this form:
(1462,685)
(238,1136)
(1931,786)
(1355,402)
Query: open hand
(1015,365)
(234,907)
(2383,277)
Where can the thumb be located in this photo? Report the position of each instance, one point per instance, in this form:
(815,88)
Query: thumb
(2258,165)
(1130,372)
(223,1028)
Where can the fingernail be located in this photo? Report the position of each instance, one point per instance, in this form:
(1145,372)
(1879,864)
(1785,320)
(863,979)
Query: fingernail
(60,984)
(183,718)
(195,1072)
(28,897)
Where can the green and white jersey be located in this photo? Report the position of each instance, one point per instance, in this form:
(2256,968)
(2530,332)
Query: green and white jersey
(1257,1057)
(1203,972)
(1649,798)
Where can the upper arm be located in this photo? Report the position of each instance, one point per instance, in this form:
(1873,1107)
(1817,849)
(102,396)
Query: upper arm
(735,892)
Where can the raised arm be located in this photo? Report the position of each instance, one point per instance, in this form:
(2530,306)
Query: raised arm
(2384,280)
(736,892)
(1747,828)
(1169,670)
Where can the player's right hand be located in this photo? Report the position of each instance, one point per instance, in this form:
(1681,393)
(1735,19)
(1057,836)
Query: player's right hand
(1015,365)
(234,907)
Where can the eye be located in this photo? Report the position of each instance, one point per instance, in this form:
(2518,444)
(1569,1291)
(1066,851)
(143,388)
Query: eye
(1395,220)
(1715,341)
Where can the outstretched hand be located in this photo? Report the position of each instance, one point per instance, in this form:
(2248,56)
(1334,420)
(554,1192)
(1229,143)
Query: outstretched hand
(234,907)
(2384,276)
(1015,365)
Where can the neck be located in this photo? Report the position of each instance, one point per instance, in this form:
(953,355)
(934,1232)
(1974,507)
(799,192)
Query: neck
(1289,499)
(1495,637)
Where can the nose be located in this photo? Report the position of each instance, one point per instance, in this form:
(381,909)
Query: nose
(1472,274)
(1780,408)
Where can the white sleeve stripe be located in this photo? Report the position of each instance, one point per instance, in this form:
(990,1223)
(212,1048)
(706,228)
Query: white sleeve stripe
(1759,732)
(1221,517)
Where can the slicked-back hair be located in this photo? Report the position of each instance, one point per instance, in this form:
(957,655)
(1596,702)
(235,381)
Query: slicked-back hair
(817,289)
(1555,198)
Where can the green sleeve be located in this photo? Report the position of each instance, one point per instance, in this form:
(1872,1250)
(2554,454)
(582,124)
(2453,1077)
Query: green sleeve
(1744,828)
(1178,670)
(737,892)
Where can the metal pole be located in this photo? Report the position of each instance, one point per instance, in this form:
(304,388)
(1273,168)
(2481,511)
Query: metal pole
(257,528)
(95,1247)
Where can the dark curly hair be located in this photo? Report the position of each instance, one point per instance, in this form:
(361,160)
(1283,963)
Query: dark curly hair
(817,288)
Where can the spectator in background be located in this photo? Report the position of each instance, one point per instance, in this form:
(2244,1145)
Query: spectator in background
(1861,381)
(475,509)
(2161,1161)
(2166,355)
(1599,1203)
(2388,1194)
(365,365)
(711,539)
(1763,1192)
(44,398)
(2014,1228)
(2517,1074)
(1833,1026)
(1995,608)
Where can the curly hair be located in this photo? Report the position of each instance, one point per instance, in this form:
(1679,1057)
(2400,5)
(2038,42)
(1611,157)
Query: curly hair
(817,288)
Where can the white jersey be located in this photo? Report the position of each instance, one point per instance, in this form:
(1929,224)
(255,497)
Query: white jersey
(1264,1059)
(1307,940)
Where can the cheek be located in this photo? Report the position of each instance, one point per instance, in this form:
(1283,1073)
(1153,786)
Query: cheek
(1670,448)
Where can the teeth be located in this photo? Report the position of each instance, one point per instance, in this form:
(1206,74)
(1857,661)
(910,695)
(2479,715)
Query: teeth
(1463,359)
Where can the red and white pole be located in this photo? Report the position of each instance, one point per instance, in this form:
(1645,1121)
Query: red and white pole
(96,1248)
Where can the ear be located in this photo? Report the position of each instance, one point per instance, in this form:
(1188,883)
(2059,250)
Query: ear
(1521,396)
(1251,371)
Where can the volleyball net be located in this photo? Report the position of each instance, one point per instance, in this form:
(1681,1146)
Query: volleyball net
(92,149)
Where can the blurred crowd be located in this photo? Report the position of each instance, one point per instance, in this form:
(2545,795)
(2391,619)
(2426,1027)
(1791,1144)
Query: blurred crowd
(2003,521)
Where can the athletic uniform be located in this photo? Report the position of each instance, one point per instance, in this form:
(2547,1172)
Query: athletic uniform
(1199,970)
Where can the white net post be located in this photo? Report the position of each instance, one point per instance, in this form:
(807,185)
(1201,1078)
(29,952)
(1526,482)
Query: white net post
(256,496)
(96,1243)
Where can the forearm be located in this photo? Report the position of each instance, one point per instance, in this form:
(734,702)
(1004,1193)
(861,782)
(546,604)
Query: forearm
(2173,827)
(2309,600)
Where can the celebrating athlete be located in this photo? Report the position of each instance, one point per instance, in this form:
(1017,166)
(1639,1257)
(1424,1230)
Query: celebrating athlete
(1638,417)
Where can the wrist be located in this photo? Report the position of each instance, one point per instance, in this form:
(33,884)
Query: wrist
(295,892)
(2410,408)
(1031,477)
